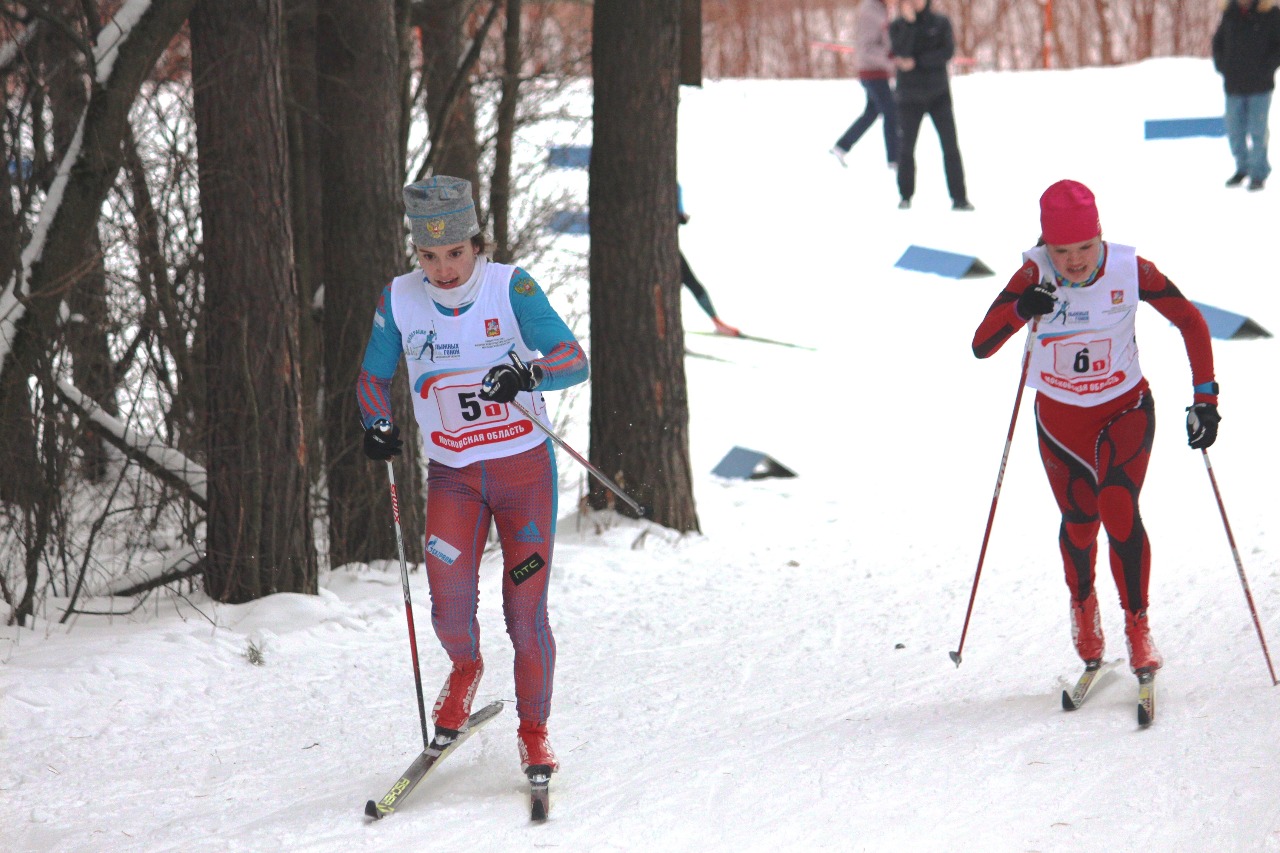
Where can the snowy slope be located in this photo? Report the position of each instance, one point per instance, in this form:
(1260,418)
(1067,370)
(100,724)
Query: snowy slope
(782,680)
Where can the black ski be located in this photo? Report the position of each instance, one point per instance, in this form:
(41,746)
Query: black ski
(426,762)
(1146,698)
(539,791)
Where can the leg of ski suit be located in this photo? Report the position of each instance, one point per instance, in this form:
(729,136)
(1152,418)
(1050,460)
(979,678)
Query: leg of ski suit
(1096,460)
(689,280)
(518,493)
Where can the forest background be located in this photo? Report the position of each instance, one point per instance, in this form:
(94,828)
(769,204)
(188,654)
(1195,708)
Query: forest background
(143,443)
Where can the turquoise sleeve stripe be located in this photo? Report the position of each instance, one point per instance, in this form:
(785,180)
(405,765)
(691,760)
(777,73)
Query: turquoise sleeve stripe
(382,352)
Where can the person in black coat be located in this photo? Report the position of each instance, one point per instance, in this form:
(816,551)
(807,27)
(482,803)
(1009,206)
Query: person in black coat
(923,43)
(1246,52)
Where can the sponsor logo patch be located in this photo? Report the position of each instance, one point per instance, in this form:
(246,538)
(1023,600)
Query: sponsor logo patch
(491,328)
(442,550)
(529,533)
(1117,297)
(527,569)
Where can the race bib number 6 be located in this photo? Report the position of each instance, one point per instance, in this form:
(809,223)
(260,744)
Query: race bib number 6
(1081,359)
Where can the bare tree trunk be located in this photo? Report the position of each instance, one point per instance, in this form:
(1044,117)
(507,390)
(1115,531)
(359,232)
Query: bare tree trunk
(167,318)
(362,174)
(691,42)
(1104,34)
(1145,19)
(79,186)
(303,111)
(500,183)
(17,441)
(259,527)
(87,296)
(444,38)
(639,402)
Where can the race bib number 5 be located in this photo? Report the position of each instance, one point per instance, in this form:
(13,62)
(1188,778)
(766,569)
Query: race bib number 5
(462,408)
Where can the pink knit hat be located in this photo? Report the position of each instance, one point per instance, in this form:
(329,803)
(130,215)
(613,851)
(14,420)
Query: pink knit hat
(1068,214)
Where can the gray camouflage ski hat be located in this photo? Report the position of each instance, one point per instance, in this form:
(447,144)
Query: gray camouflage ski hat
(441,211)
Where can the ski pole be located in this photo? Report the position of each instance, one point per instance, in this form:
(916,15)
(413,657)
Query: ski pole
(581,460)
(995,496)
(596,472)
(408,604)
(1248,596)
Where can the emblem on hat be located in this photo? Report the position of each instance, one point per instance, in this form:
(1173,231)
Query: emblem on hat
(436,227)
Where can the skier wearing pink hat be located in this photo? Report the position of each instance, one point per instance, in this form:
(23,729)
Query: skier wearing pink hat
(1094,410)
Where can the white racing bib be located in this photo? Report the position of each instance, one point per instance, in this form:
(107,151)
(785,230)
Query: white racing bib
(447,359)
(1085,352)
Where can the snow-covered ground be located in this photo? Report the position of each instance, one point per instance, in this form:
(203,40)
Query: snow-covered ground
(780,681)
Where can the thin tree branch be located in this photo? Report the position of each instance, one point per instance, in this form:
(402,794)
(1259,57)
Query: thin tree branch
(455,89)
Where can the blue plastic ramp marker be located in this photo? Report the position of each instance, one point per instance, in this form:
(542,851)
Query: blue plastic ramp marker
(743,464)
(949,264)
(570,222)
(569,156)
(1228,326)
(1177,128)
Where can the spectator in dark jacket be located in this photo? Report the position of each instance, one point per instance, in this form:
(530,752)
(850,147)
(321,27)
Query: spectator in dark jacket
(922,44)
(1246,52)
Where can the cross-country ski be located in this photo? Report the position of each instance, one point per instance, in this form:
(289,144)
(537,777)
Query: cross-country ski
(1146,698)
(1074,698)
(539,792)
(427,761)
(743,336)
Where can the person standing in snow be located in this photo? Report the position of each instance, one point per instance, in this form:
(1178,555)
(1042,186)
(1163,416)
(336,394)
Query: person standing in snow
(1094,410)
(923,43)
(689,280)
(875,67)
(486,324)
(1246,52)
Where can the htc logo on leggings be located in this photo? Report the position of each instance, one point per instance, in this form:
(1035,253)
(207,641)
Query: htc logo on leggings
(527,569)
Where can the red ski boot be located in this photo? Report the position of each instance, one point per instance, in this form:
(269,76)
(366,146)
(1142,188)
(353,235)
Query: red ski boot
(453,705)
(1143,654)
(535,749)
(725,329)
(1086,628)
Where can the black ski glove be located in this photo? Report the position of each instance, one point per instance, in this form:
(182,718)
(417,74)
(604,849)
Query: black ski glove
(1036,300)
(382,440)
(502,383)
(1202,425)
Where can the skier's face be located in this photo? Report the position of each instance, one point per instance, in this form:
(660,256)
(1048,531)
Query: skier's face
(448,266)
(1076,262)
